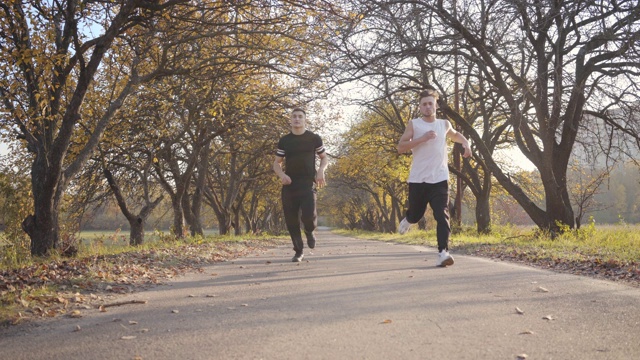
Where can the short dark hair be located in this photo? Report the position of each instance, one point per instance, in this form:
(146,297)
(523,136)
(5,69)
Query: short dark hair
(299,109)
(429,92)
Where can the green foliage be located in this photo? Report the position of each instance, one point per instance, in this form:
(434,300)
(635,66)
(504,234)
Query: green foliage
(586,232)
(15,203)
(603,244)
(367,182)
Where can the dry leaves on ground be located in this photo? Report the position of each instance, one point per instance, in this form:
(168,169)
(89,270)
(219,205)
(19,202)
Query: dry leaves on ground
(628,273)
(64,287)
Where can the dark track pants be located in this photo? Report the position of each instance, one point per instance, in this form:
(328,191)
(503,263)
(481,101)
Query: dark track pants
(437,196)
(299,205)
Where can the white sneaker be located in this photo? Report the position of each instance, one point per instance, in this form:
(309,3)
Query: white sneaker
(404,226)
(444,259)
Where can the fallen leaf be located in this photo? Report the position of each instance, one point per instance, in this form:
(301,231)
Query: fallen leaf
(129,337)
(387,321)
(78,328)
(75,314)
(131,322)
(175,311)
(519,311)
(528,332)
(245,305)
(521,356)
(548,317)
(541,289)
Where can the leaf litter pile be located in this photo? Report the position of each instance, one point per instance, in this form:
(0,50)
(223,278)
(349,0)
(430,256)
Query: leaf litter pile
(68,286)
(599,267)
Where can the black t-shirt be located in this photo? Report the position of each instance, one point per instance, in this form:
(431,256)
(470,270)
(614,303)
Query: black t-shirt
(300,152)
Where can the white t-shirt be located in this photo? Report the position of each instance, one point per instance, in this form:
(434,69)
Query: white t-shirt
(429,163)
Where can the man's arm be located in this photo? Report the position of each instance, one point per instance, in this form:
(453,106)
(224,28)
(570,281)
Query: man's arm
(324,160)
(277,167)
(457,136)
(405,144)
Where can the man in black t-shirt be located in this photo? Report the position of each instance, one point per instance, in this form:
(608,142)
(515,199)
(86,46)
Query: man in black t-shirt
(300,148)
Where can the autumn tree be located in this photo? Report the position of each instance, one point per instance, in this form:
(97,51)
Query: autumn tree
(236,164)
(398,48)
(549,64)
(585,185)
(368,163)
(565,59)
(130,180)
(49,58)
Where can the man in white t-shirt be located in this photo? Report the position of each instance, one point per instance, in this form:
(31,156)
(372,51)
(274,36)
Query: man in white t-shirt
(428,179)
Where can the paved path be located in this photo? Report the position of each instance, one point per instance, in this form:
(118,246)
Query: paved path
(352,299)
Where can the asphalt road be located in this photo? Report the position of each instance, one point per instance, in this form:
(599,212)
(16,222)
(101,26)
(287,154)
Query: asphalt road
(351,299)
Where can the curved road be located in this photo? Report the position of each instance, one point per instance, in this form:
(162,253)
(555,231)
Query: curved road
(351,299)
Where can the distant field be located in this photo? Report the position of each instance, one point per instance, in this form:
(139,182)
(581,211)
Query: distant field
(116,237)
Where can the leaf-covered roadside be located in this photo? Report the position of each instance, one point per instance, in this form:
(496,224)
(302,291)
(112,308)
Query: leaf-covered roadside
(67,286)
(578,264)
(607,253)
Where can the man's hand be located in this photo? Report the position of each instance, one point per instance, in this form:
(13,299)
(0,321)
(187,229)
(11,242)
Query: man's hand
(428,136)
(286,180)
(467,149)
(320,181)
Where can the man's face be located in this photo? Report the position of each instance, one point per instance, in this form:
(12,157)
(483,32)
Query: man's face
(298,119)
(428,106)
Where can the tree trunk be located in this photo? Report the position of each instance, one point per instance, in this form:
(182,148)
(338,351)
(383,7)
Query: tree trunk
(136,234)
(136,223)
(178,217)
(453,212)
(188,215)
(224,223)
(197,198)
(42,226)
(558,205)
(236,222)
(42,229)
(196,216)
(483,212)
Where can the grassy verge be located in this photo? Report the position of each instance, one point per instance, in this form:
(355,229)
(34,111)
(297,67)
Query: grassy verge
(605,252)
(57,286)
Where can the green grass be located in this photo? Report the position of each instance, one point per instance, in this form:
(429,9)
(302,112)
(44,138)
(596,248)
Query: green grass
(609,243)
(121,238)
(91,243)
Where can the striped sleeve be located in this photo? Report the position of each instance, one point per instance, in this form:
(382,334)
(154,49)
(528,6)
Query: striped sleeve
(280,151)
(319,145)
